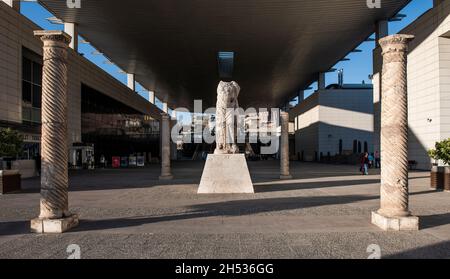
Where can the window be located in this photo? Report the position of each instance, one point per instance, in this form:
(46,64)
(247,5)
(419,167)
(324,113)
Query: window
(31,86)
(340,147)
(359,147)
(366,147)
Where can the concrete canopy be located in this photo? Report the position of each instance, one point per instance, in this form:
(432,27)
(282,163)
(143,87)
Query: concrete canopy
(171,46)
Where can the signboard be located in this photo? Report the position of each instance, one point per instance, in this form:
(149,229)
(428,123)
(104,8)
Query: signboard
(132,161)
(141,161)
(116,162)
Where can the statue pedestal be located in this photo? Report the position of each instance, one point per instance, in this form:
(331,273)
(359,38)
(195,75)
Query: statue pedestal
(226,174)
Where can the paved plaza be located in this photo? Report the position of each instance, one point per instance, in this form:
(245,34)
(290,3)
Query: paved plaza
(323,212)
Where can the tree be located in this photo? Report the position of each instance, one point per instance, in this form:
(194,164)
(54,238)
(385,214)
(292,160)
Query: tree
(441,151)
(11,143)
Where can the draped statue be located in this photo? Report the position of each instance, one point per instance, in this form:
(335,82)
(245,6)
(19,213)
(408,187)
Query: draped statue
(226,122)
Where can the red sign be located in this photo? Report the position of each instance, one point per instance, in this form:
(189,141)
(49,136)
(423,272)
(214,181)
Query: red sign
(116,162)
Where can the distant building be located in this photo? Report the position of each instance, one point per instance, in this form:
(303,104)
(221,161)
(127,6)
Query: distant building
(102,111)
(336,120)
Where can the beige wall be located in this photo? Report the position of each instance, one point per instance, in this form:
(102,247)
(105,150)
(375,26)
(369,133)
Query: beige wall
(331,115)
(17,31)
(428,83)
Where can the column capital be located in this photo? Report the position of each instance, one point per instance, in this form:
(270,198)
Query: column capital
(53,36)
(397,43)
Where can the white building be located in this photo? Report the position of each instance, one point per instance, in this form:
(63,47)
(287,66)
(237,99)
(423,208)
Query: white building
(428,83)
(334,121)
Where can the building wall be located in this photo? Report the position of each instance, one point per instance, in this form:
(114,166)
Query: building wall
(331,115)
(345,115)
(17,31)
(428,83)
(306,128)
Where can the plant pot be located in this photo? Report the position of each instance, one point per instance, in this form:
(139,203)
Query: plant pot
(437,177)
(447,179)
(10,181)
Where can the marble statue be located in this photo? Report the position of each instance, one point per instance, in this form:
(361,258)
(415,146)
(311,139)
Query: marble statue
(226,122)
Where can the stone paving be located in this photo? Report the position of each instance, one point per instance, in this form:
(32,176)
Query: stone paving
(323,212)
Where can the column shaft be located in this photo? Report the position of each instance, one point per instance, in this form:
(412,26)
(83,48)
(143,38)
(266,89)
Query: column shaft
(72,30)
(165,147)
(284,146)
(54,179)
(394,127)
(131,82)
(321,83)
(394,208)
(151,97)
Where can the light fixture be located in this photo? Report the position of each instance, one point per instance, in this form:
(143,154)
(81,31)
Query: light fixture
(225,61)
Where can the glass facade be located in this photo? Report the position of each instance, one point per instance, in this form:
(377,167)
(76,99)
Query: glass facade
(115,129)
(31,87)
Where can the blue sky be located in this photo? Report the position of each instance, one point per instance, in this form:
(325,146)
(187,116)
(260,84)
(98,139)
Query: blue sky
(355,71)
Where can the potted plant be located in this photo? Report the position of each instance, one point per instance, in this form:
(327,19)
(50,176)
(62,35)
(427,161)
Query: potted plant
(11,143)
(440,176)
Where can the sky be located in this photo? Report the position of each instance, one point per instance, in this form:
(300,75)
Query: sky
(355,71)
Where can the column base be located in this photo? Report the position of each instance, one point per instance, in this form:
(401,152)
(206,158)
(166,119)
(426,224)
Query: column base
(166,177)
(407,223)
(54,225)
(285,177)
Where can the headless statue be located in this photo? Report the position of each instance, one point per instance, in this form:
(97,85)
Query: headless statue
(227,103)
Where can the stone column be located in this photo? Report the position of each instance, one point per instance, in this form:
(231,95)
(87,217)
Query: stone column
(321,82)
(394,213)
(151,97)
(54,207)
(165,107)
(131,81)
(284,146)
(165,147)
(15,4)
(72,30)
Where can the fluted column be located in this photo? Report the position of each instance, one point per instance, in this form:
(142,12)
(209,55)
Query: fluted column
(394,212)
(166,173)
(54,175)
(284,146)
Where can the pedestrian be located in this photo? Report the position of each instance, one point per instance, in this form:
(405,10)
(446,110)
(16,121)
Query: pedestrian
(361,163)
(365,162)
(103,161)
(377,159)
(371,161)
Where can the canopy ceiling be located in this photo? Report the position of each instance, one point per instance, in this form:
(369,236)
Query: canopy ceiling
(279,45)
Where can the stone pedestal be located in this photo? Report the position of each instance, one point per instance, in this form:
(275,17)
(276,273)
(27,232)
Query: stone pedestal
(394,194)
(226,174)
(61,225)
(407,223)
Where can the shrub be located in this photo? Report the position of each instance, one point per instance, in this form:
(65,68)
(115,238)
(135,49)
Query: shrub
(11,143)
(441,151)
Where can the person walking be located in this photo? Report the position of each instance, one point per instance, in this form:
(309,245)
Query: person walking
(103,161)
(377,160)
(371,161)
(365,162)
